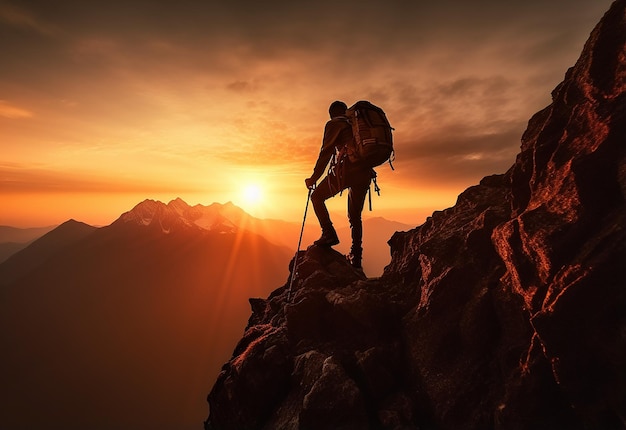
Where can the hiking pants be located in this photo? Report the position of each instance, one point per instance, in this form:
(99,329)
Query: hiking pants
(357,182)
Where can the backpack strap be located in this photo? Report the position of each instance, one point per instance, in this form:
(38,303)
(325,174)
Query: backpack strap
(392,158)
(376,188)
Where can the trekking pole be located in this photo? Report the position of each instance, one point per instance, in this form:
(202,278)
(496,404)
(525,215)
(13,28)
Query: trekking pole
(295,260)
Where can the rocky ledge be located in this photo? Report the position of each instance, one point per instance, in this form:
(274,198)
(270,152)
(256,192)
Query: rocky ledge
(506,311)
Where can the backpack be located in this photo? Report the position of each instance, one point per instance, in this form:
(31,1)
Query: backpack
(373,142)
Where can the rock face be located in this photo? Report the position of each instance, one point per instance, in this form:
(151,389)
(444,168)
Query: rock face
(506,311)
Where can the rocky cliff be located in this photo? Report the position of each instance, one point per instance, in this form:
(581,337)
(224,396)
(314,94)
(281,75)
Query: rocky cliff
(506,311)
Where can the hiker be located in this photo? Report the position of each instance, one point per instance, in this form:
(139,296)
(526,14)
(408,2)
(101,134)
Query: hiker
(342,174)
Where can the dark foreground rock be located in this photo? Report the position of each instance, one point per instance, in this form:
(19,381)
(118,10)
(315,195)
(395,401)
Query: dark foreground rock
(506,311)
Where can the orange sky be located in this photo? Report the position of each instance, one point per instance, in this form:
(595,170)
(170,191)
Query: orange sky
(104,106)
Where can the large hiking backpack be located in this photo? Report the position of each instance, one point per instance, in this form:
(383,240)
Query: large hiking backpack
(373,142)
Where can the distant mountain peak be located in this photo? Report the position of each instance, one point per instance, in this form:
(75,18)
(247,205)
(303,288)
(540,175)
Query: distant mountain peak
(72,221)
(178,215)
(178,204)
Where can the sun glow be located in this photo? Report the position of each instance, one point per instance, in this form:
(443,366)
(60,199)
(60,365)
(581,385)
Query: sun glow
(252,194)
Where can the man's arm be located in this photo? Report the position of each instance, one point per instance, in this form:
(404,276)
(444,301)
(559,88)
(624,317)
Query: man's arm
(331,135)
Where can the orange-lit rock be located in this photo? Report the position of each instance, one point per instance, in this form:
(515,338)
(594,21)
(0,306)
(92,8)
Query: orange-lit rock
(506,311)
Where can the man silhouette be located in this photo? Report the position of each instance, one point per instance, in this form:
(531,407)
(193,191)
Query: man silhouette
(342,174)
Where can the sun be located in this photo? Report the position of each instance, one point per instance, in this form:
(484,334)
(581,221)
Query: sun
(252,194)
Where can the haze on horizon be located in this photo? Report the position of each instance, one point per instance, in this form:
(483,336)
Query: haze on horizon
(105,105)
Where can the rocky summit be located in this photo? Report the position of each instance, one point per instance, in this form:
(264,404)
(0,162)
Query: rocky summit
(506,311)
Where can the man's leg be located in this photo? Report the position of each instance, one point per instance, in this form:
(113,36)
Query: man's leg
(321,193)
(356,201)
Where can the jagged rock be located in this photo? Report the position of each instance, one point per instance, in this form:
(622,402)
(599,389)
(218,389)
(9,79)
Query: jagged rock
(506,311)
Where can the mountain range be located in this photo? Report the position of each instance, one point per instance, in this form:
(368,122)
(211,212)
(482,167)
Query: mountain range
(109,323)
(127,324)
(228,218)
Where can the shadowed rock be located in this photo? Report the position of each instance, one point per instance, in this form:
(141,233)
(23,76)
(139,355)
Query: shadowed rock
(506,311)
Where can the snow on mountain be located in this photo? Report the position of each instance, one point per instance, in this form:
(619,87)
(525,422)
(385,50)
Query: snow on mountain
(177,214)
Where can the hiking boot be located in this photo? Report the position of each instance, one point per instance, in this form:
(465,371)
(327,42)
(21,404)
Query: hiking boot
(328,238)
(354,260)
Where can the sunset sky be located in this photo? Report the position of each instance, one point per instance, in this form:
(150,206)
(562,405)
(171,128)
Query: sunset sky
(105,104)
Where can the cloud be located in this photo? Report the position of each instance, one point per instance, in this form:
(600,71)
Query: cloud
(13,112)
(21,178)
(18,17)
(241,86)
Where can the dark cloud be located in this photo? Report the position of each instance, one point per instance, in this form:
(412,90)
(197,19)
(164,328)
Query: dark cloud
(355,39)
(242,86)
(272,28)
